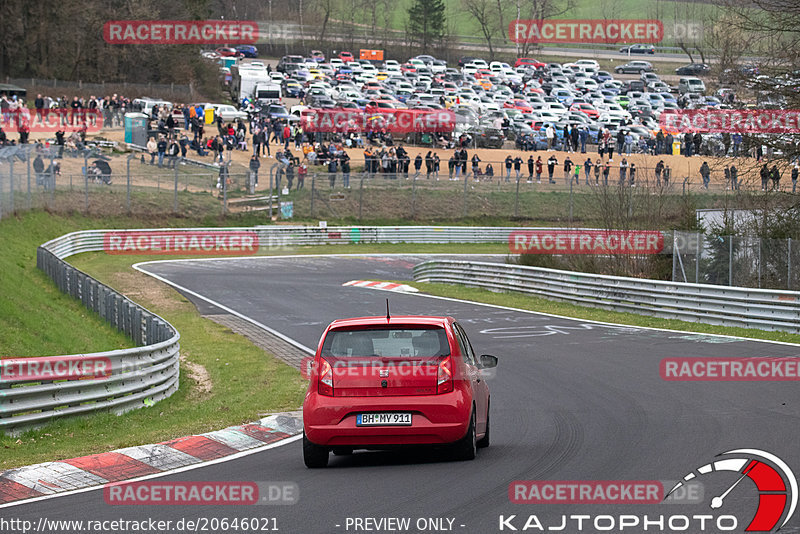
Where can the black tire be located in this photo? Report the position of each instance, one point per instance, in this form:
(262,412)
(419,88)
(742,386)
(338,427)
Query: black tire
(484,441)
(467,447)
(314,456)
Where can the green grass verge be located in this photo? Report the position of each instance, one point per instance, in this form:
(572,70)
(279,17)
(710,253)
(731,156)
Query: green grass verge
(537,304)
(36,319)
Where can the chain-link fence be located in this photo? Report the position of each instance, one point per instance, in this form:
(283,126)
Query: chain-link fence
(742,261)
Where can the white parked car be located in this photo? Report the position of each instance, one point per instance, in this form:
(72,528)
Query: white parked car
(228,112)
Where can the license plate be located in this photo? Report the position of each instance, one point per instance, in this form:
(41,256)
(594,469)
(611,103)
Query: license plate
(383,419)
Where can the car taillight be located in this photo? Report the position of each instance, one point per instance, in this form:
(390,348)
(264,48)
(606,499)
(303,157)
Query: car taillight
(325,386)
(444,376)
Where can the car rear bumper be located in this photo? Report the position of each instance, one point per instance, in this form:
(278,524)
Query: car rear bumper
(435,419)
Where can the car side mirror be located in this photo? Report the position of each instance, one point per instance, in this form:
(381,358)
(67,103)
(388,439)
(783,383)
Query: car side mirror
(488,361)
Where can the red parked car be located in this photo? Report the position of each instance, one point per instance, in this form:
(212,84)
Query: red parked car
(528,62)
(346,57)
(379,382)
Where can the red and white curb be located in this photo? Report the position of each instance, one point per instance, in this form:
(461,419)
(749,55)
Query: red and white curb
(384,286)
(123,464)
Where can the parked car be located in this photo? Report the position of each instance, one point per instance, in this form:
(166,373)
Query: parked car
(634,67)
(362,393)
(638,49)
(693,69)
(318,56)
(346,56)
(691,85)
(248,50)
(226,51)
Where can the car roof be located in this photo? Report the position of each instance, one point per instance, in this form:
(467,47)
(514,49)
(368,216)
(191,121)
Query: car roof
(411,320)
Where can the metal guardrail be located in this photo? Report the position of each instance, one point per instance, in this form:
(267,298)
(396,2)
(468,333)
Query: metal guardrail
(139,376)
(719,305)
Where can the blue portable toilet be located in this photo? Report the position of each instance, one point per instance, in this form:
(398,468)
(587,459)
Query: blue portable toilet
(136,128)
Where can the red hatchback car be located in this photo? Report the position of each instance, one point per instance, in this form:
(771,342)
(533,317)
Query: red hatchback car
(380,382)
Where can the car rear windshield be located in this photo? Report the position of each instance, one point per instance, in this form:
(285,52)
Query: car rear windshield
(391,342)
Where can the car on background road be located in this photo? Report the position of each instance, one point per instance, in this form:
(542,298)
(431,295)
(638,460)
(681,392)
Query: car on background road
(638,49)
(693,69)
(225,51)
(247,50)
(634,67)
(382,382)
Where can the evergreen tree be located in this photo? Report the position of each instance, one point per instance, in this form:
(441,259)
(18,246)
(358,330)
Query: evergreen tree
(426,22)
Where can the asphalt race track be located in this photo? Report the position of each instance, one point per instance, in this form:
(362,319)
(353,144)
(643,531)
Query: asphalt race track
(571,400)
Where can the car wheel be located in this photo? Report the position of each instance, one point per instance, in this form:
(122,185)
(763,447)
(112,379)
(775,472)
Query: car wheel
(484,441)
(467,447)
(314,456)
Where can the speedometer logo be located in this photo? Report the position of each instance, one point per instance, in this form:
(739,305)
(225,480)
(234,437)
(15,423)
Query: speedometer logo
(777,485)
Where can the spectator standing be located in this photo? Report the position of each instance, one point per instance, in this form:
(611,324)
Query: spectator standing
(517,167)
(567,169)
(623,171)
(775,175)
(587,169)
(659,170)
(344,160)
(509,163)
(705,174)
(531,164)
(606,172)
(698,142)
(152,148)
(539,166)
(302,171)
(764,172)
(551,167)
(632,175)
(417,165)
(734,178)
(794,178)
(597,165)
(255,164)
(332,167)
